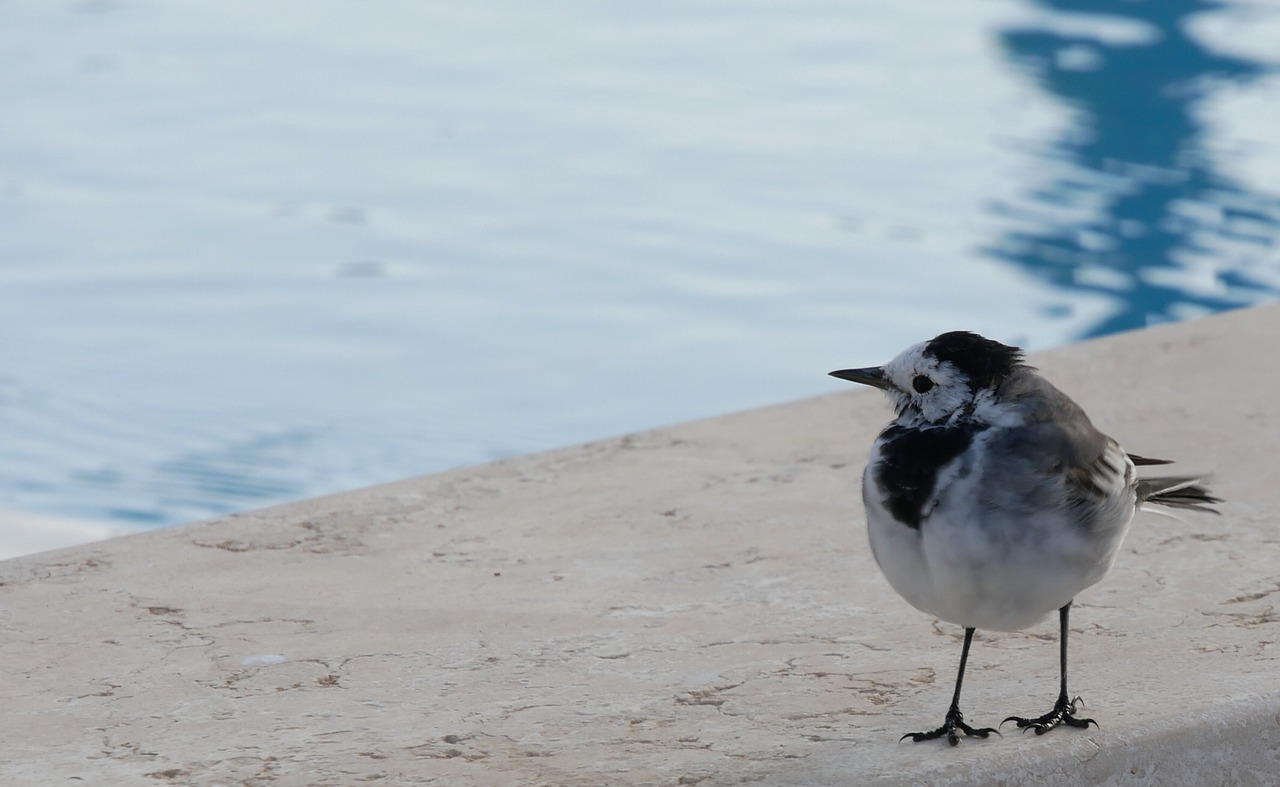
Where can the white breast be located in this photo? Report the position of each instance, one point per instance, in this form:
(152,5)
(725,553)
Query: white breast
(984,559)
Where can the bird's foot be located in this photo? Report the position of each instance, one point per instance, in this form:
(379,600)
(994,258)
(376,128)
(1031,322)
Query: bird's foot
(1064,712)
(954,723)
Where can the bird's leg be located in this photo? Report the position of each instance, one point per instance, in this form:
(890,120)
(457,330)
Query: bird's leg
(955,719)
(1064,710)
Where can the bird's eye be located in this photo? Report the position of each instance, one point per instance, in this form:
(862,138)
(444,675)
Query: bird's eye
(921,383)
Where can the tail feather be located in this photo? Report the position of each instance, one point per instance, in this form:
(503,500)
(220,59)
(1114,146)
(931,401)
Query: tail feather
(1177,492)
(1140,461)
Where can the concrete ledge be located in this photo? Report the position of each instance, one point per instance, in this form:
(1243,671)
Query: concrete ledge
(694,605)
(25,533)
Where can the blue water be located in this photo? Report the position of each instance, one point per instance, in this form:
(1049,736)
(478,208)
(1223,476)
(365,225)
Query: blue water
(252,253)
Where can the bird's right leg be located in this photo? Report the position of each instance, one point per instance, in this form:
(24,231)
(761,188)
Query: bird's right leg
(954,720)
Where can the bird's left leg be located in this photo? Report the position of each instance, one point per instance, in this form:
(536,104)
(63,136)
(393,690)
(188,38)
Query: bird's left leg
(1064,710)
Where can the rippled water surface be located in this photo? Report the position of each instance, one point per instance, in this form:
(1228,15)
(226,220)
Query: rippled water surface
(259,252)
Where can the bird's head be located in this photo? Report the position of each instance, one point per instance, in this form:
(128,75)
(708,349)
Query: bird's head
(949,379)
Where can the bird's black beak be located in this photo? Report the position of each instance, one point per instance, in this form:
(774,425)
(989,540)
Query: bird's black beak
(872,376)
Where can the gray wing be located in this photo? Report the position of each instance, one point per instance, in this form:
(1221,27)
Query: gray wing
(1098,478)
(1057,459)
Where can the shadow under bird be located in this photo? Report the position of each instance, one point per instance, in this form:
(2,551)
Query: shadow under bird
(992,500)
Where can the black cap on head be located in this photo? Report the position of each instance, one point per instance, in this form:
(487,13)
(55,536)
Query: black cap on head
(985,362)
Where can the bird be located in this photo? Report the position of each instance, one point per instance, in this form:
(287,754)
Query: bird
(992,500)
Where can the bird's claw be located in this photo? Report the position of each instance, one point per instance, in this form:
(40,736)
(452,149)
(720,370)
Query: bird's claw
(1063,712)
(954,722)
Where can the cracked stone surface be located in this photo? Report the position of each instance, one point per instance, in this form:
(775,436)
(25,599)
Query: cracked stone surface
(692,605)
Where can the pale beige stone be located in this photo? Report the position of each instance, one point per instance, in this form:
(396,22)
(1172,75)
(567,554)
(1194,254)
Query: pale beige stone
(25,533)
(693,605)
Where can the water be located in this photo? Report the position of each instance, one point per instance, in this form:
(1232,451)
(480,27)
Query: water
(250,254)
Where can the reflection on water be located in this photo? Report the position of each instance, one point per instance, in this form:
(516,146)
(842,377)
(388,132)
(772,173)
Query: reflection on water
(1141,211)
(244,261)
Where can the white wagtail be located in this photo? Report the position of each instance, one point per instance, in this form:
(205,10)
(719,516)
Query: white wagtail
(992,500)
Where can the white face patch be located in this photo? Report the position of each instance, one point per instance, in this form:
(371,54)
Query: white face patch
(948,393)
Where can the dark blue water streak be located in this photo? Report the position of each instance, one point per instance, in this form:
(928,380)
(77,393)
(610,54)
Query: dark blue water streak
(1140,164)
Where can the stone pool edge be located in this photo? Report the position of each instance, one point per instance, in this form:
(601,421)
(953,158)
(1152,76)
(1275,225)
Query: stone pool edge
(689,605)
